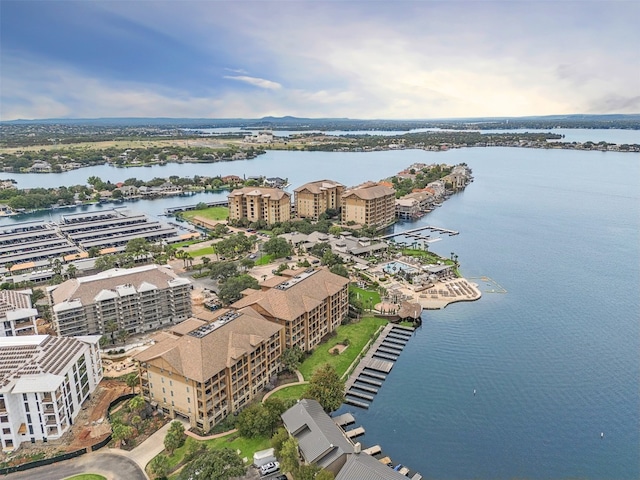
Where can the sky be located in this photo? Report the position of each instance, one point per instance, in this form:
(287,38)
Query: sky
(368,59)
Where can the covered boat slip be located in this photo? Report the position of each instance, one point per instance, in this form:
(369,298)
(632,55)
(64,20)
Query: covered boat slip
(368,376)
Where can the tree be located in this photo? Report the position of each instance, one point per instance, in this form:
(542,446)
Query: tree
(105,262)
(174,437)
(123,335)
(111,327)
(326,387)
(339,269)
(131,380)
(160,466)
(278,439)
(72,271)
(291,358)
(221,271)
(307,472)
(260,419)
(324,475)
(219,464)
(277,246)
(231,290)
(137,404)
(289,455)
(121,432)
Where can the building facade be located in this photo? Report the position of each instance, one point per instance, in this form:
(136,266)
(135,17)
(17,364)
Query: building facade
(203,371)
(17,316)
(309,304)
(44,381)
(369,204)
(259,203)
(135,299)
(314,198)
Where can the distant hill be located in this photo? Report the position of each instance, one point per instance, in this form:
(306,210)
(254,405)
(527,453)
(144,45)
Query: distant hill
(299,123)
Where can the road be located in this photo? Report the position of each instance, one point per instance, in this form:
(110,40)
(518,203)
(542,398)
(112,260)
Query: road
(110,465)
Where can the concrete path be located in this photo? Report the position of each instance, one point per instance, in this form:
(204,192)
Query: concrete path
(148,449)
(210,437)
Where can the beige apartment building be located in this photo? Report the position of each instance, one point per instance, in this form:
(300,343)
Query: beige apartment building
(309,304)
(134,299)
(258,203)
(203,371)
(314,198)
(369,204)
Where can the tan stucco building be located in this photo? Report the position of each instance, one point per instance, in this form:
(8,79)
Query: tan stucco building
(314,198)
(369,204)
(309,304)
(258,203)
(203,371)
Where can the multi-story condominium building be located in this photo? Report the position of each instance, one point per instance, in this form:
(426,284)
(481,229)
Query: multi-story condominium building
(134,299)
(43,382)
(369,204)
(259,203)
(308,303)
(204,371)
(314,198)
(17,316)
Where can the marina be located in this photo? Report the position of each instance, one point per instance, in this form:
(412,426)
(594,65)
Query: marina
(367,378)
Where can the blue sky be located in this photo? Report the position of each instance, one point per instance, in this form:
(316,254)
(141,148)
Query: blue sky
(335,58)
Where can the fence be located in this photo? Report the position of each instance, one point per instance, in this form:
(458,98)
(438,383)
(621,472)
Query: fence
(69,455)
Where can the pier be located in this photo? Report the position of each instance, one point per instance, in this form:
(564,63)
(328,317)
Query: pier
(414,231)
(363,384)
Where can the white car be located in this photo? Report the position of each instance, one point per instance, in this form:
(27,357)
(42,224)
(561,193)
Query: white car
(268,468)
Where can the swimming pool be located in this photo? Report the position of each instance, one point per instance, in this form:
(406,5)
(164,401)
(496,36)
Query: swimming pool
(395,267)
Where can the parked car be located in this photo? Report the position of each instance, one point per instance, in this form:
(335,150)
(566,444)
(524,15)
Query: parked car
(270,467)
(252,256)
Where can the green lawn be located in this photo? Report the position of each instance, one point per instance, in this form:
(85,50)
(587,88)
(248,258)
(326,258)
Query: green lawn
(293,392)
(357,333)
(202,251)
(264,260)
(186,243)
(366,295)
(86,476)
(247,447)
(213,213)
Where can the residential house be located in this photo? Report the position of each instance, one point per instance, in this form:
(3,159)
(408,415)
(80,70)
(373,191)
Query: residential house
(320,441)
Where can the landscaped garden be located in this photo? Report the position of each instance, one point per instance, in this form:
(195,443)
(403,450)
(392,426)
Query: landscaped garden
(356,335)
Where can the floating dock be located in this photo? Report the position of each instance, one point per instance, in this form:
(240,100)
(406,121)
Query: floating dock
(367,378)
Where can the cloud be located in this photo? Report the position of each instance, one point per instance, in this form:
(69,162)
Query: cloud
(255,81)
(379,60)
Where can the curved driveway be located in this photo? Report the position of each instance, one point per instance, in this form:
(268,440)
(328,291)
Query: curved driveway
(110,465)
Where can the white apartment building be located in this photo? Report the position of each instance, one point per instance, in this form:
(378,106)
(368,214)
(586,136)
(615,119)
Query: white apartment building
(43,382)
(17,316)
(134,299)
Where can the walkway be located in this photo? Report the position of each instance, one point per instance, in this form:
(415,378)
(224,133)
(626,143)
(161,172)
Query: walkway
(301,381)
(151,447)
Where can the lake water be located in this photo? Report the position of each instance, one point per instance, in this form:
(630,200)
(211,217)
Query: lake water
(581,135)
(555,360)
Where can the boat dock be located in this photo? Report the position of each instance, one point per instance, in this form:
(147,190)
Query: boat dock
(184,208)
(414,232)
(363,384)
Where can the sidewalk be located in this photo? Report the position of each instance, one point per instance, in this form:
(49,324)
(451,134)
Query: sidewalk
(148,449)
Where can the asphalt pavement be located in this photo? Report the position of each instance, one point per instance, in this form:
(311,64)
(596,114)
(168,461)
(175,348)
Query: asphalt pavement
(110,465)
